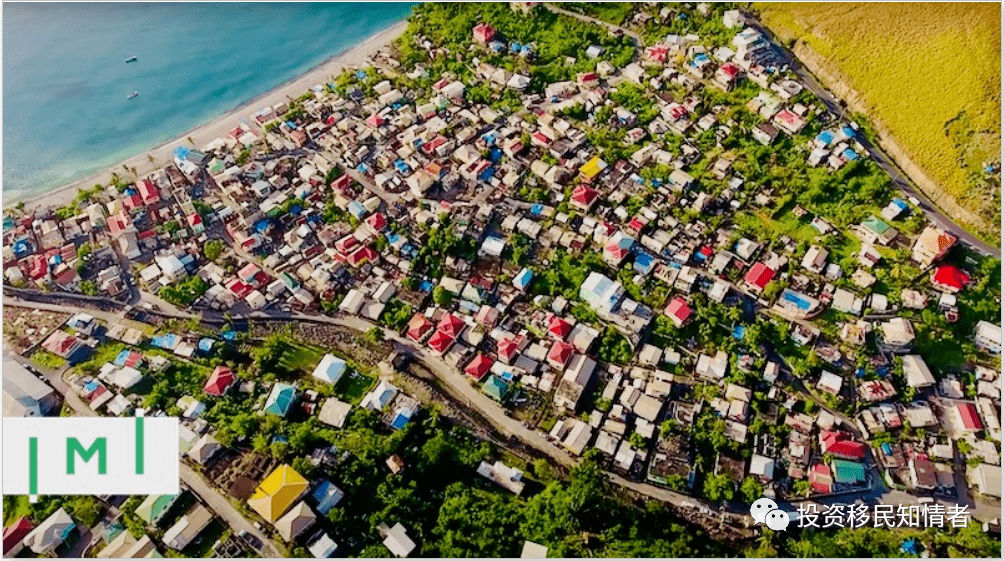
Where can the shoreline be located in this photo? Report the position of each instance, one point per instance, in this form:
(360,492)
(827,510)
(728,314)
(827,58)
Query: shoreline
(160,155)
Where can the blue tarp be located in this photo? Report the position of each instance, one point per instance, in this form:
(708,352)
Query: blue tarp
(166,341)
(825,137)
(262,226)
(120,360)
(360,74)
(644,263)
(181,152)
(22,248)
(536,209)
(738,332)
(850,154)
(229,335)
(206,344)
(399,422)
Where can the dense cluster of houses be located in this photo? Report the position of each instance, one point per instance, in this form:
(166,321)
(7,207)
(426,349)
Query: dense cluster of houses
(332,197)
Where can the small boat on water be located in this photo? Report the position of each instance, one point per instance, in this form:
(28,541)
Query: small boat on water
(133,94)
(133,58)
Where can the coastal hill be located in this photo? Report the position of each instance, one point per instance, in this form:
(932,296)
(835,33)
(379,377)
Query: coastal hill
(927,75)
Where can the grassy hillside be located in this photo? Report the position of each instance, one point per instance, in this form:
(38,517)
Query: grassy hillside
(929,74)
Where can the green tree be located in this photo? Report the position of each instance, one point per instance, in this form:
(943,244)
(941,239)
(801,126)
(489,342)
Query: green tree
(719,488)
(213,249)
(441,296)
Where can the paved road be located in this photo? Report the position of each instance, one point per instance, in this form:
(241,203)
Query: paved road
(217,502)
(456,383)
(222,507)
(899,179)
(609,26)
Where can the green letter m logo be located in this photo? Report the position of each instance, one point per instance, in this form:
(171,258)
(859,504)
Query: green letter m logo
(99,447)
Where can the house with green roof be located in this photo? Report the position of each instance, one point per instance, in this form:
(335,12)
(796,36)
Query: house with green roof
(496,388)
(280,401)
(874,230)
(155,507)
(848,472)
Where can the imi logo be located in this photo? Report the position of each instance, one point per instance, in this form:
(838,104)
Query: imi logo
(90,456)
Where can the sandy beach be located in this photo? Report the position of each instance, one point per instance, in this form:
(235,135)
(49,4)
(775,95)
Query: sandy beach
(201,135)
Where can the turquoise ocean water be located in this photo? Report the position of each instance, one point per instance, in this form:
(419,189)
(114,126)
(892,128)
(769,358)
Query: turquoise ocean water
(65,80)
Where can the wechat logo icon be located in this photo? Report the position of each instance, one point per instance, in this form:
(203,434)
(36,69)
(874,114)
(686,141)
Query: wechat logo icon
(765,511)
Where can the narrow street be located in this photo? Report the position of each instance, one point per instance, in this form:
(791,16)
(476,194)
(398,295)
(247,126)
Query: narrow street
(217,502)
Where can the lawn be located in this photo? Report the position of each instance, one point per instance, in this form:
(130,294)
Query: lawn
(612,12)
(353,386)
(44,358)
(299,359)
(928,74)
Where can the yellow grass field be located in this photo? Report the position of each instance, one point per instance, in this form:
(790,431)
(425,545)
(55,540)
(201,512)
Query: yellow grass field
(929,74)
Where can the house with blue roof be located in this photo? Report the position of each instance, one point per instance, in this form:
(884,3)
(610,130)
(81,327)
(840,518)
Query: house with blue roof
(644,263)
(825,138)
(495,388)
(523,279)
(327,495)
(281,399)
(330,369)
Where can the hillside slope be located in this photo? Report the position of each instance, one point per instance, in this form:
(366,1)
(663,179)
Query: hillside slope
(928,75)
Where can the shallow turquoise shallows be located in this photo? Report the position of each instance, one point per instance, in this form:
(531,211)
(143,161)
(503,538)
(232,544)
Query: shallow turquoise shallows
(65,79)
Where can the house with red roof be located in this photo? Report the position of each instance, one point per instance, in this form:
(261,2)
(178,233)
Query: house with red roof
(789,121)
(479,367)
(821,479)
(361,255)
(342,183)
(483,33)
(195,222)
(727,76)
(968,416)
(617,249)
(376,222)
(841,445)
(61,343)
(374,120)
(247,272)
(678,311)
(131,202)
(418,327)
(657,53)
(239,288)
(560,353)
(540,139)
(13,536)
(118,223)
(584,197)
(507,349)
(451,326)
(149,192)
(588,80)
(219,381)
(440,342)
(558,327)
(35,267)
(949,278)
(758,277)
(346,244)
